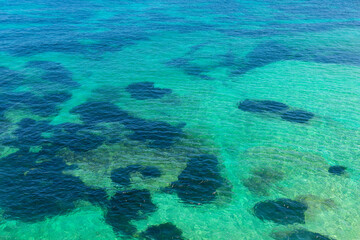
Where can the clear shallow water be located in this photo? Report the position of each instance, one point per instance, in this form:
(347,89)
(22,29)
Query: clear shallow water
(74,62)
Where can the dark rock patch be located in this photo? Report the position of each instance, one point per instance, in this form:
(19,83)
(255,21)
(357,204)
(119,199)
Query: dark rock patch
(78,142)
(126,206)
(114,140)
(100,112)
(30,130)
(152,172)
(199,181)
(29,133)
(332,55)
(12,99)
(282,211)
(69,127)
(189,68)
(298,116)
(264,54)
(159,134)
(57,97)
(43,106)
(47,105)
(60,77)
(54,72)
(337,170)
(122,176)
(165,231)
(67,135)
(31,191)
(146,90)
(260,106)
(10,79)
(114,39)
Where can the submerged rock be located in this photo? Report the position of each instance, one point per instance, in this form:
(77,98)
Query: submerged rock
(151,171)
(28,134)
(54,72)
(43,106)
(282,211)
(78,142)
(69,127)
(337,170)
(99,112)
(165,231)
(263,54)
(159,134)
(126,206)
(32,192)
(299,116)
(146,90)
(260,106)
(122,176)
(199,181)
(57,97)
(189,68)
(67,135)
(10,79)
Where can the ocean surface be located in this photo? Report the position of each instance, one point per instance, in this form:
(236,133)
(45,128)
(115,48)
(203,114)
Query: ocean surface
(176,119)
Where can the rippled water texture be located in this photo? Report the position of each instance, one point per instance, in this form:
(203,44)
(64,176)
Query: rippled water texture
(174,119)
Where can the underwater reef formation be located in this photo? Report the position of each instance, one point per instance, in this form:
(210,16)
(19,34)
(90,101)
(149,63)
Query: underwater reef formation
(165,231)
(158,134)
(199,181)
(93,113)
(276,108)
(29,133)
(121,176)
(43,106)
(151,172)
(81,137)
(269,52)
(337,170)
(126,206)
(260,106)
(78,142)
(282,211)
(57,97)
(263,54)
(54,72)
(10,79)
(31,191)
(47,105)
(300,234)
(146,90)
(68,135)
(299,116)
(189,68)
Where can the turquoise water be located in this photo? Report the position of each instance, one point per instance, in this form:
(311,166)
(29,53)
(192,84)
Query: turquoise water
(89,153)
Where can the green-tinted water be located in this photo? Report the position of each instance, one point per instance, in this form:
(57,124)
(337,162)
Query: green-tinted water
(199,50)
